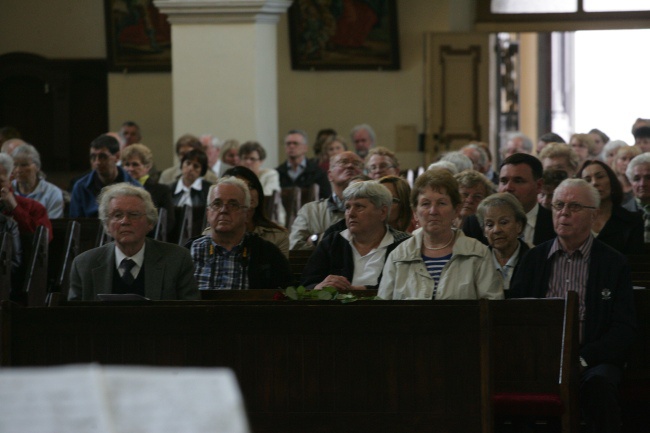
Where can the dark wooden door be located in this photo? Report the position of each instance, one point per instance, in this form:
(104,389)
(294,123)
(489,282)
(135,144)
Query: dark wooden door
(59,106)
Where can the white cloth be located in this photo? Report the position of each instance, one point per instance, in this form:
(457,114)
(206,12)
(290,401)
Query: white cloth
(138,259)
(186,198)
(529,230)
(368,268)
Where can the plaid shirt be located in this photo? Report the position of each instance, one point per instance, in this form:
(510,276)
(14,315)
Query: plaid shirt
(217,268)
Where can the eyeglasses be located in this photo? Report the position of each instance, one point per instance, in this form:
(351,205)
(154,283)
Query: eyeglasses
(380,167)
(573,207)
(344,162)
(131,216)
(131,164)
(230,206)
(250,158)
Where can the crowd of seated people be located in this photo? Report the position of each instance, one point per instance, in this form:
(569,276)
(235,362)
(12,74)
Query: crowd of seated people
(449,236)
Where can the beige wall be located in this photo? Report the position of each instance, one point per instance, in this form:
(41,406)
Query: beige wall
(307,100)
(385,100)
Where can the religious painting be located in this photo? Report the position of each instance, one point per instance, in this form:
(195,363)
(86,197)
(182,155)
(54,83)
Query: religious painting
(344,35)
(138,36)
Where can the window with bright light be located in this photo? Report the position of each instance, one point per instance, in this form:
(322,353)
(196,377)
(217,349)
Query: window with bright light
(612,88)
(533,6)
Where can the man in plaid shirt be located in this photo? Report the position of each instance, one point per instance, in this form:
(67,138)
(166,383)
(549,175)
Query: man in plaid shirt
(229,257)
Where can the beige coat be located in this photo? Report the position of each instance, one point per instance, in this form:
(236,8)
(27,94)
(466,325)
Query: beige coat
(469,274)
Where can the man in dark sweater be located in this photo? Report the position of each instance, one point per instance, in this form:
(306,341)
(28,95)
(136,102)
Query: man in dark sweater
(298,170)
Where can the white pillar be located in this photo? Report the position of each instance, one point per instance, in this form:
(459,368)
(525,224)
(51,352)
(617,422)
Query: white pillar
(224,68)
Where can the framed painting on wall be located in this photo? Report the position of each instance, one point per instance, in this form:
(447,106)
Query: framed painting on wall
(138,36)
(344,35)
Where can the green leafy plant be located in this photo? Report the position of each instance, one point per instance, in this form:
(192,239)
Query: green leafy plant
(328,293)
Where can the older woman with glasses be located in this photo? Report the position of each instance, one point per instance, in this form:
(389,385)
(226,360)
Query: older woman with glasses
(353,258)
(381,162)
(439,262)
(252,156)
(137,160)
(503,220)
(30,182)
(473,187)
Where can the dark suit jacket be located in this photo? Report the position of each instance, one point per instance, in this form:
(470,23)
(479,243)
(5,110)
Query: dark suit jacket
(311,175)
(623,231)
(609,327)
(162,199)
(168,272)
(543,227)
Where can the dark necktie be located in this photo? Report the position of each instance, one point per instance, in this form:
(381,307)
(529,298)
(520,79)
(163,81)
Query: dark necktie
(127,265)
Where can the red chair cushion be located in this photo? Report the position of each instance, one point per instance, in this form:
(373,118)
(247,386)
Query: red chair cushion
(518,404)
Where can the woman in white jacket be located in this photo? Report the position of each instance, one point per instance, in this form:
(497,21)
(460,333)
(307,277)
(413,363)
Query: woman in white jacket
(439,262)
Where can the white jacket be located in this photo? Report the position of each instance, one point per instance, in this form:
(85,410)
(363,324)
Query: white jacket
(469,274)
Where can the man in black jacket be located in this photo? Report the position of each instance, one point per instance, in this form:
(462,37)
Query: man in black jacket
(521,175)
(298,170)
(576,261)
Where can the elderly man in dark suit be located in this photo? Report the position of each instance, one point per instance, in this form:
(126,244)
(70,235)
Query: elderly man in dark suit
(521,175)
(133,263)
(576,261)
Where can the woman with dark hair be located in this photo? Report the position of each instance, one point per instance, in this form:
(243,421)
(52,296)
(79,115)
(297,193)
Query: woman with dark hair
(191,189)
(257,222)
(614,225)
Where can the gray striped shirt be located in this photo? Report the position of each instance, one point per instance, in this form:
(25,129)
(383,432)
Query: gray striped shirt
(570,272)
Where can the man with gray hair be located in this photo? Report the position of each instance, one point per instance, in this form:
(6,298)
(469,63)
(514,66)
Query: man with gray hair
(353,258)
(576,261)
(638,173)
(229,257)
(132,263)
(516,142)
(477,155)
(212,148)
(298,170)
(364,138)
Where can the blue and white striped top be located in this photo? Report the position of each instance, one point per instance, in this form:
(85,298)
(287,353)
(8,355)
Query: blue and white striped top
(434,267)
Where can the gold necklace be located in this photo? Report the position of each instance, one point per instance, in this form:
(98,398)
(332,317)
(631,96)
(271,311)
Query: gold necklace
(439,248)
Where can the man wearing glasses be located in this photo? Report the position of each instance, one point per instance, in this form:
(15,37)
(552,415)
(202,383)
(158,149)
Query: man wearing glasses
(381,162)
(298,170)
(316,217)
(104,155)
(576,261)
(229,258)
(133,263)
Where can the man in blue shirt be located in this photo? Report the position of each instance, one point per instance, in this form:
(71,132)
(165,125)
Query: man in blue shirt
(104,155)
